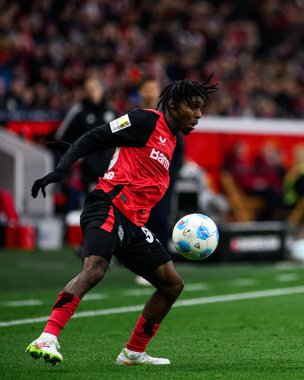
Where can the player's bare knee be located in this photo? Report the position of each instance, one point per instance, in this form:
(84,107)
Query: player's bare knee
(94,269)
(174,289)
(179,286)
(93,275)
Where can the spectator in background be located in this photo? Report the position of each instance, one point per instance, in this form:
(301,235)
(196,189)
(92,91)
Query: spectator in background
(85,115)
(254,47)
(238,164)
(261,175)
(269,176)
(149,90)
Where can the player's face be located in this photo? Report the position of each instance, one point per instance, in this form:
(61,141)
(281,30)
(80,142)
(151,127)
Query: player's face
(186,117)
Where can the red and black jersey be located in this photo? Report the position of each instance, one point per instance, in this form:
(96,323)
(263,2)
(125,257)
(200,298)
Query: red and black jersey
(138,174)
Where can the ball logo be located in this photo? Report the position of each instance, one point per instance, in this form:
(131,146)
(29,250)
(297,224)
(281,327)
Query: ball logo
(182,224)
(186,232)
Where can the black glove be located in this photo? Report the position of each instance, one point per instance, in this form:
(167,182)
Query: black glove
(60,146)
(41,183)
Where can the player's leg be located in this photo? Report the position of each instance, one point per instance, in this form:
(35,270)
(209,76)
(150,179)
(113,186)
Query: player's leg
(154,264)
(93,270)
(94,267)
(169,285)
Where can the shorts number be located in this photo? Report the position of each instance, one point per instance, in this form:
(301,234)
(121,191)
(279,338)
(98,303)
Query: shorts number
(149,235)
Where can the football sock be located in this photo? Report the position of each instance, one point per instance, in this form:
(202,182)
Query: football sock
(142,334)
(63,310)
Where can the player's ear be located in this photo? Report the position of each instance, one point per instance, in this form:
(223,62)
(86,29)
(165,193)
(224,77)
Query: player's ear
(171,106)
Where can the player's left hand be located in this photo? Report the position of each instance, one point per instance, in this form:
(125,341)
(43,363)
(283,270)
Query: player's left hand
(41,183)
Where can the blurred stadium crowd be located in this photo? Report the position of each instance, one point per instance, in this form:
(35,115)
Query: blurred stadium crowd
(255,49)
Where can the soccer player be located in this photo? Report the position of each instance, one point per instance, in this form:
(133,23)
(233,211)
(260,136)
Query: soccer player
(115,212)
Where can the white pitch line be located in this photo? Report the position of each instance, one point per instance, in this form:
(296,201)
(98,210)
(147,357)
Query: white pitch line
(22,303)
(288,277)
(138,292)
(195,287)
(43,265)
(182,303)
(19,303)
(244,282)
(188,288)
(94,297)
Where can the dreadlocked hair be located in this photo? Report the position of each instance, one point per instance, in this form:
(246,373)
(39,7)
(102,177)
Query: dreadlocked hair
(185,89)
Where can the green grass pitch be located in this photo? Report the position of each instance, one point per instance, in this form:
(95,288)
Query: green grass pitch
(232,321)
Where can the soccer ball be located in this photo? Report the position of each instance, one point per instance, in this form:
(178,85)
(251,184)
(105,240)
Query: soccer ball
(195,236)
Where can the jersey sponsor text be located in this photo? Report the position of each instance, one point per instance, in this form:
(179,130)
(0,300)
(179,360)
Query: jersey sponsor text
(109,175)
(160,157)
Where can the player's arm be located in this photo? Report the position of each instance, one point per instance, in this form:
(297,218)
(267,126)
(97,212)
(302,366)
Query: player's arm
(116,133)
(72,152)
(132,129)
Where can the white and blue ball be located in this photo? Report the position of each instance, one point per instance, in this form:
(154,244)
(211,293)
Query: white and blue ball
(195,236)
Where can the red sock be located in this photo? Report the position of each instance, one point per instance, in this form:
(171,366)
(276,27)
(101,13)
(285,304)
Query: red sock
(142,334)
(63,309)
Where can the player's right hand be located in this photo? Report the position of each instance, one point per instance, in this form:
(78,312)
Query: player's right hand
(41,183)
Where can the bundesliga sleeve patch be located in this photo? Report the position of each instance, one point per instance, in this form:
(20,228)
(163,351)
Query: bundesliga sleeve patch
(120,123)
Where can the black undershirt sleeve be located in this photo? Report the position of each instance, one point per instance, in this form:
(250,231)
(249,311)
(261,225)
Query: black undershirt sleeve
(132,129)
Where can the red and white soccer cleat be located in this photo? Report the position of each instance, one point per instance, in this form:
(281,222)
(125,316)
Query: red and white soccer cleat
(46,349)
(128,358)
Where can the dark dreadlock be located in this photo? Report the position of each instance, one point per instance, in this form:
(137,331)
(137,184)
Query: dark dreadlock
(185,89)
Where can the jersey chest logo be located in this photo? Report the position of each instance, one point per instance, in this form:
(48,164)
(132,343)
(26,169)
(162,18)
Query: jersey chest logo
(160,157)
